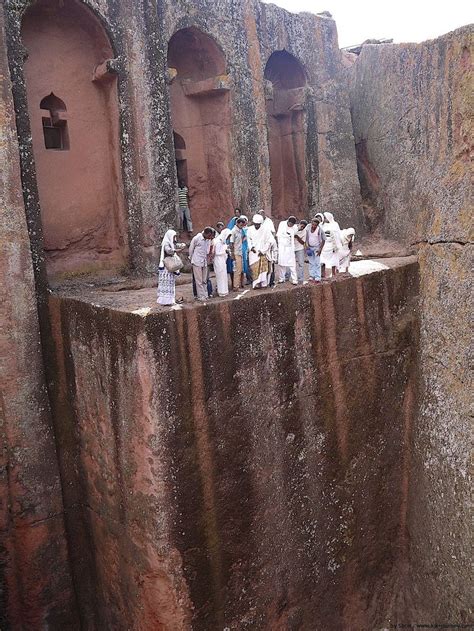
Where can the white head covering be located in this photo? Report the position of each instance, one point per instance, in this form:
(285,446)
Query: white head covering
(321,217)
(168,240)
(346,234)
(257,219)
(244,217)
(333,225)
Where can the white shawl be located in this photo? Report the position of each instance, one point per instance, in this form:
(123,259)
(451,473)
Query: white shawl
(168,241)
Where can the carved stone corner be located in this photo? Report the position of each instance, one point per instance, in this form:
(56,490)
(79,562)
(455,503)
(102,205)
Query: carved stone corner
(106,71)
(171,75)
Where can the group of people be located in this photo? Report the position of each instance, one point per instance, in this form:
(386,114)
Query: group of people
(258,254)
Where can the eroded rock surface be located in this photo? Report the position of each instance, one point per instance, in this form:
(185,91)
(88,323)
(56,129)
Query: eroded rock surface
(413,115)
(35,586)
(293,460)
(244,464)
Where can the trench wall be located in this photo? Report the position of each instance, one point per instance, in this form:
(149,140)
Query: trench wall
(35,587)
(243,465)
(412,116)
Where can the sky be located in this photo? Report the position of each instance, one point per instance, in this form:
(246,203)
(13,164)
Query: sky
(402,20)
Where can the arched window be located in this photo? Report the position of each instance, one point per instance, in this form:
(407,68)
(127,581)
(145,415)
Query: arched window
(55,125)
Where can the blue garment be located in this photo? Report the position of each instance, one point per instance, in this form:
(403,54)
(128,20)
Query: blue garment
(314,264)
(230,262)
(245,254)
(299,256)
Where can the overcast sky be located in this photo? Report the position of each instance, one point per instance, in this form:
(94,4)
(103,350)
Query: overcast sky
(402,20)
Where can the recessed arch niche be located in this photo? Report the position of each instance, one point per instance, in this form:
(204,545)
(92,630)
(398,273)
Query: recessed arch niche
(285,80)
(201,118)
(180,158)
(74,107)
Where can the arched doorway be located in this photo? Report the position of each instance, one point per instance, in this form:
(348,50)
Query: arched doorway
(201,117)
(285,98)
(74,118)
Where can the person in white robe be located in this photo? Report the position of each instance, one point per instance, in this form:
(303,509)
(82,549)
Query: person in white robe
(273,253)
(347,241)
(267,222)
(286,250)
(332,245)
(220,261)
(259,245)
(166,293)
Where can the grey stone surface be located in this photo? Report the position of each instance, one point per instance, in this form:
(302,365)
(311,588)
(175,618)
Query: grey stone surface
(412,112)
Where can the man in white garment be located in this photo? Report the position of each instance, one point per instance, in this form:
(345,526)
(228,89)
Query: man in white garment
(286,250)
(273,253)
(259,244)
(267,222)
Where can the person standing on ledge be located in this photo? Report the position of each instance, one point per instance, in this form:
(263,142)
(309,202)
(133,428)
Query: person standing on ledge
(273,253)
(300,241)
(166,294)
(200,253)
(267,222)
(184,211)
(230,261)
(237,238)
(220,259)
(332,245)
(315,238)
(259,244)
(347,241)
(286,249)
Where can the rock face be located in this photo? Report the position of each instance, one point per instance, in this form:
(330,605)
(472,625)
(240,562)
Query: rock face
(35,587)
(295,460)
(412,115)
(243,465)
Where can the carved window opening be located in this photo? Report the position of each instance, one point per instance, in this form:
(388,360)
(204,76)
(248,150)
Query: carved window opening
(55,130)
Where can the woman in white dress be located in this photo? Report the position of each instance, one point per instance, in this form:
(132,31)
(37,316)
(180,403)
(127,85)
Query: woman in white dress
(166,294)
(332,245)
(220,262)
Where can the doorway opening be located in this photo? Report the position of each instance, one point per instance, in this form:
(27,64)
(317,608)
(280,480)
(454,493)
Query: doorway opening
(200,113)
(285,101)
(75,137)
